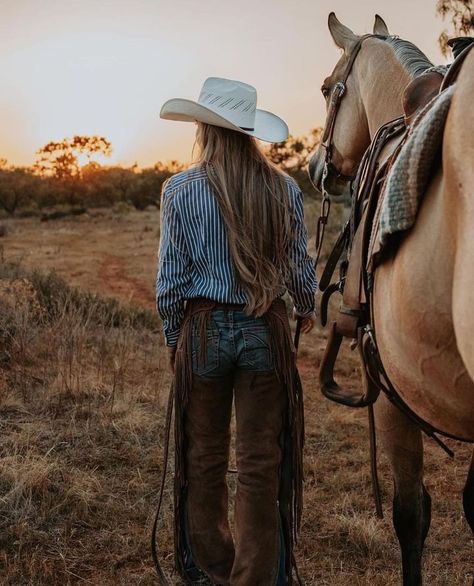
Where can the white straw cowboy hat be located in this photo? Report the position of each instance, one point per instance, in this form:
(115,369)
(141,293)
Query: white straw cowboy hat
(231,104)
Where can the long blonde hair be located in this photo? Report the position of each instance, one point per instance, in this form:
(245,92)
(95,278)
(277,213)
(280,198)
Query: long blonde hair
(253,199)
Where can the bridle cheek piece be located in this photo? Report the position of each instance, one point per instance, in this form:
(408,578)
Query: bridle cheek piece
(338,92)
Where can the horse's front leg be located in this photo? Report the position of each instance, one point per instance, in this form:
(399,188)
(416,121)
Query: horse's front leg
(402,442)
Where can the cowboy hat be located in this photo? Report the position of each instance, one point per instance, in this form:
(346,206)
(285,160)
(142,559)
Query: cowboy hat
(230,104)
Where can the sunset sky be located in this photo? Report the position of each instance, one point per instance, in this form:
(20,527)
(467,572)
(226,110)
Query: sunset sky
(106,66)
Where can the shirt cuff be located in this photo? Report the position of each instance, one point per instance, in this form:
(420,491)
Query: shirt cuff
(171,338)
(304,313)
(305,310)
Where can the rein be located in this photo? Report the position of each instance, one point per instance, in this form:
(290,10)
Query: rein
(162,579)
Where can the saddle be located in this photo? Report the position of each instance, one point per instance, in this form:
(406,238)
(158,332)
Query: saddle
(355,282)
(355,246)
(419,92)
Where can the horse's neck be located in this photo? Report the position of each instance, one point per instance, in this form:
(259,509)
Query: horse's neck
(382,81)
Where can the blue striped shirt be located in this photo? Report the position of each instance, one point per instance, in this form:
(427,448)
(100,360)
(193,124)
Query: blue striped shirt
(195,259)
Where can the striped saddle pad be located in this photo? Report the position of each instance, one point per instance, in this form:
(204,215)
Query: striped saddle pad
(413,168)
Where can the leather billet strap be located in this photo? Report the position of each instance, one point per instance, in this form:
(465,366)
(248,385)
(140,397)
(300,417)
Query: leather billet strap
(339,247)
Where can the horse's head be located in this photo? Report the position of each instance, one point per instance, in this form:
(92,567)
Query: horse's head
(346,134)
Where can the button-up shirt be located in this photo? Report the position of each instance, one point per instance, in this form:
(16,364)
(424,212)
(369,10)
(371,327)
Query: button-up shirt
(195,258)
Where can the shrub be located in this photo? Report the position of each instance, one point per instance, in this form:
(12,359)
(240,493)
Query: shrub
(56,297)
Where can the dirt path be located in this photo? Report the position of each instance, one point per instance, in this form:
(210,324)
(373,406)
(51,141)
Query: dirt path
(115,279)
(107,254)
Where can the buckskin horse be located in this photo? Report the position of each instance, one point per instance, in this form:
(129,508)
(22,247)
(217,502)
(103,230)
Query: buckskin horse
(423,294)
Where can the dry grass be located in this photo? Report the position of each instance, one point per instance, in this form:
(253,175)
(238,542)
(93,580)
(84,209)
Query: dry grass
(83,388)
(81,417)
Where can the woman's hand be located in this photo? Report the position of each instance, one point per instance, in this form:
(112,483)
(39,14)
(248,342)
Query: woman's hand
(307,323)
(171,357)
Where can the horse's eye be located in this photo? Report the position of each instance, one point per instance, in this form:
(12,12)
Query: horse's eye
(325,91)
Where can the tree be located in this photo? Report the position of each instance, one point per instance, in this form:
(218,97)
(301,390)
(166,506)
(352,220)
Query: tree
(62,159)
(17,188)
(146,189)
(293,154)
(461,13)
(170,168)
(122,180)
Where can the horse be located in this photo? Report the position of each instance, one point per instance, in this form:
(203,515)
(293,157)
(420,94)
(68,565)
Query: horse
(423,293)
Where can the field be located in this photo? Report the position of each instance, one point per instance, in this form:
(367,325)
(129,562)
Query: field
(83,389)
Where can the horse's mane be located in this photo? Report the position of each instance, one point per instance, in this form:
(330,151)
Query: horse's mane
(412,58)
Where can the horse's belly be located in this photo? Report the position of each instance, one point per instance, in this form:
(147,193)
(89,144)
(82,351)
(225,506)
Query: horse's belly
(414,327)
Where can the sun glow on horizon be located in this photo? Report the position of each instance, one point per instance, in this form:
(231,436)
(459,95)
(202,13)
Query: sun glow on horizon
(104,68)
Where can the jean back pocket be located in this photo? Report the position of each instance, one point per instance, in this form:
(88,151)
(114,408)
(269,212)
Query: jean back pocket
(256,353)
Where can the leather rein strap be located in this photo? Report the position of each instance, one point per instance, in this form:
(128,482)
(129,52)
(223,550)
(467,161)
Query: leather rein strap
(162,579)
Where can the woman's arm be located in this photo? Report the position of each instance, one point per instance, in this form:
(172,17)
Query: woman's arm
(173,279)
(301,282)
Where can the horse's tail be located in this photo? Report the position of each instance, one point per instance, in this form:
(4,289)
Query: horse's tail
(458,164)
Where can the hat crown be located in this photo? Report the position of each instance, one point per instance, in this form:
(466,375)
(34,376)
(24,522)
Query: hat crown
(234,100)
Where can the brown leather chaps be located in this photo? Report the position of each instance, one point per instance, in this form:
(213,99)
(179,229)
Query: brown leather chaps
(269,442)
(259,405)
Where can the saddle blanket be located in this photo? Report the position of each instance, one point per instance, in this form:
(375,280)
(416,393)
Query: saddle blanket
(413,168)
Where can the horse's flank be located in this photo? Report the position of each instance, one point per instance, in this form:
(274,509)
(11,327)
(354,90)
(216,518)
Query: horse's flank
(458,156)
(425,331)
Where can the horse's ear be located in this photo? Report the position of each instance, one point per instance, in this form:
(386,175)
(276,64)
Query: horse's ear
(343,36)
(380,28)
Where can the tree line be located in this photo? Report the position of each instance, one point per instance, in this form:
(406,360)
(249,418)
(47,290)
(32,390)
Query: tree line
(67,173)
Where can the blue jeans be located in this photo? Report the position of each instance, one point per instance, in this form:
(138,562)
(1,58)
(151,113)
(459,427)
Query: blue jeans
(234,340)
(237,349)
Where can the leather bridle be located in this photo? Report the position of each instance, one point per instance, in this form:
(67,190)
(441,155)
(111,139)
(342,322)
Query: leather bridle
(337,94)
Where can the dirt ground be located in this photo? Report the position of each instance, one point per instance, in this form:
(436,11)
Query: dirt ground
(342,542)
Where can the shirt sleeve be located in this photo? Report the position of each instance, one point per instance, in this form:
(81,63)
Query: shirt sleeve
(173,277)
(301,280)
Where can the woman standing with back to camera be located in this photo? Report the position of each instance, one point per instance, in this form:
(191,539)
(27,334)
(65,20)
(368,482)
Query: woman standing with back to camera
(232,240)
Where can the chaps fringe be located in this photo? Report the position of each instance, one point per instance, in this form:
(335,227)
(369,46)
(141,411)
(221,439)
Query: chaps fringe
(291,482)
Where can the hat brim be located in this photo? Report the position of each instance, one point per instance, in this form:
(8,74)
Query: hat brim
(268,127)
